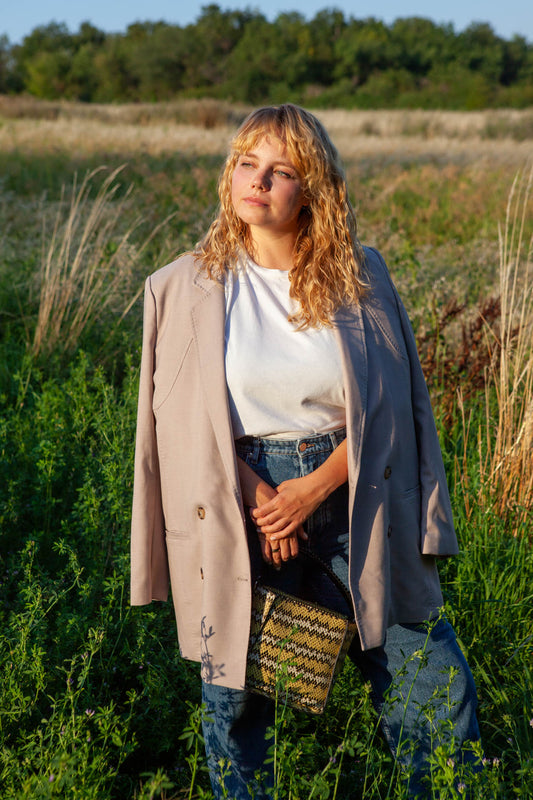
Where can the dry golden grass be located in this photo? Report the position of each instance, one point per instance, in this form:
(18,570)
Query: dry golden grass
(504,341)
(441,136)
(206,113)
(88,264)
(206,126)
(432,124)
(93,137)
(508,469)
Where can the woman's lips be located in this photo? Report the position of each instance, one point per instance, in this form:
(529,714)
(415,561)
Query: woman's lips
(255,201)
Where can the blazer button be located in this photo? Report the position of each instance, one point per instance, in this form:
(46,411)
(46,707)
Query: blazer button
(387,473)
(389,531)
(201,512)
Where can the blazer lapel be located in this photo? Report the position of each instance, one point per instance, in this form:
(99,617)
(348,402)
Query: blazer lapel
(208,317)
(350,333)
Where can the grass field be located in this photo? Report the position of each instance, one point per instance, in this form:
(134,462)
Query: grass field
(95,700)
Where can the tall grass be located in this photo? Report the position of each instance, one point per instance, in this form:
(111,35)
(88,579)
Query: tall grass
(507,466)
(89,263)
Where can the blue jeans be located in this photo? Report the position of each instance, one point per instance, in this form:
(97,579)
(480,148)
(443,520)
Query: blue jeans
(412,689)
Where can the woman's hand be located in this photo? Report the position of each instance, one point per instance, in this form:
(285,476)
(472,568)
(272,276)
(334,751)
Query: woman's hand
(280,521)
(281,518)
(279,513)
(276,551)
(257,492)
(294,502)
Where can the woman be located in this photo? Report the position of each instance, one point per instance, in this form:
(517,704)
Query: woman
(282,401)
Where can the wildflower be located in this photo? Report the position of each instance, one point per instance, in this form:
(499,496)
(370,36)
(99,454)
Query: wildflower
(89,712)
(531,722)
(486,761)
(461,787)
(451,763)
(51,778)
(495,762)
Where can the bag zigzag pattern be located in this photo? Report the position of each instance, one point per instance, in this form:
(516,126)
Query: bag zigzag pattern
(296,648)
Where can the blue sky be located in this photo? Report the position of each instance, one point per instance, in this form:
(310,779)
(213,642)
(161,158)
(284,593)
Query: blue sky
(19,17)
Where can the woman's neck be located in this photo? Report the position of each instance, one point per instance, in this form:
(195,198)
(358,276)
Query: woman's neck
(273,252)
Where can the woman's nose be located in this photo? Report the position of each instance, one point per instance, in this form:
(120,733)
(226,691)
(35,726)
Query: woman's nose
(260,180)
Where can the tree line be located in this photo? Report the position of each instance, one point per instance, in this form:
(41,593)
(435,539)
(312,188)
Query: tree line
(329,60)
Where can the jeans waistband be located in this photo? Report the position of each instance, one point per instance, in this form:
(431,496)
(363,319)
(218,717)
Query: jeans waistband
(315,442)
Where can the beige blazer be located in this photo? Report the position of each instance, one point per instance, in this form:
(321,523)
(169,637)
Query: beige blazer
(188,519)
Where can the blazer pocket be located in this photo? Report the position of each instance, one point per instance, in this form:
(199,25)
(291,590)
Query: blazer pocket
(173,534)
(411,494)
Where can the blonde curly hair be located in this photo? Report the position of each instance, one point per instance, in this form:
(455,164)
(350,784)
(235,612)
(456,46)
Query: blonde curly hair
(327,262)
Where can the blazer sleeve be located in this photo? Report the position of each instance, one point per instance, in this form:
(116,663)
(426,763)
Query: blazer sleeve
(149,563)
(437,535)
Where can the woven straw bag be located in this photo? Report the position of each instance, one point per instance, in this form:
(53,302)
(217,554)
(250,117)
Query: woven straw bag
(296,647)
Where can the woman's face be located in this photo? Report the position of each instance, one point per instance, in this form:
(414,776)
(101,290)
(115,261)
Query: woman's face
(266,190)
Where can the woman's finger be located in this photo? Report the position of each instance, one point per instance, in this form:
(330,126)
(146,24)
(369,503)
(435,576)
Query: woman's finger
(293,543)
(291,530)
(301,533)
(281,551)
(266,550)
(279,531)
(272,552)
(278,551)
(277,518)
(265,508)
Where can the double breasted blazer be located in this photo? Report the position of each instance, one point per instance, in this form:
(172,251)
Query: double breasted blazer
(188,520)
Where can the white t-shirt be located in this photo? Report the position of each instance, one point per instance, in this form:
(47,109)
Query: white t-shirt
(282,382)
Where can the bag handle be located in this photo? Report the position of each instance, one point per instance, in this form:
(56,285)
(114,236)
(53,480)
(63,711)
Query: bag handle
(318,562)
